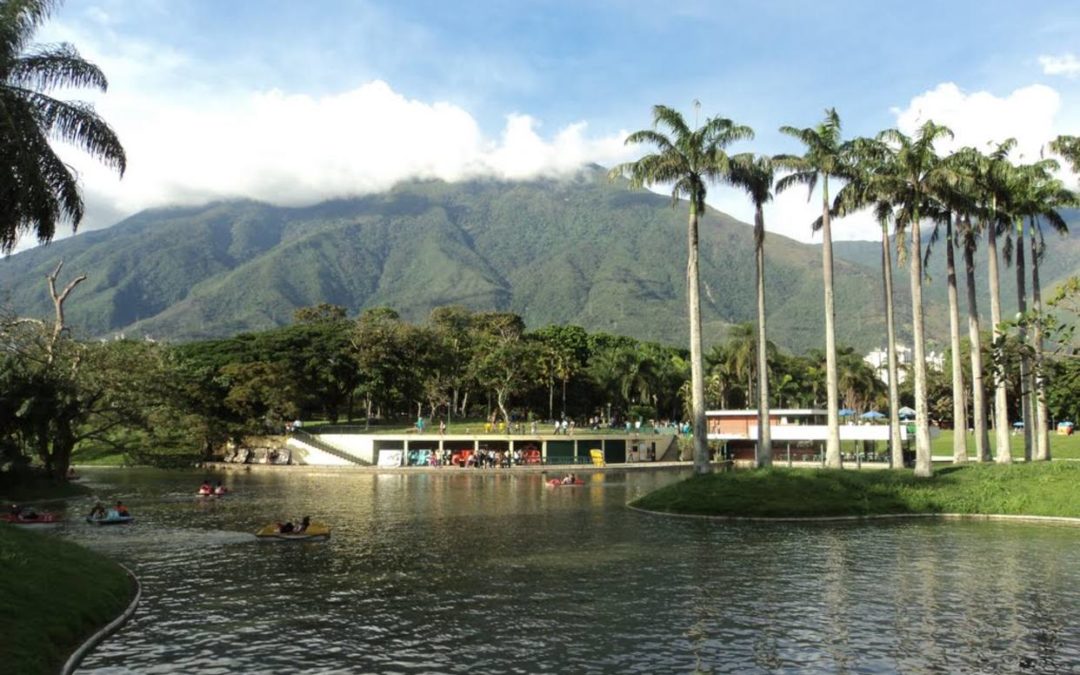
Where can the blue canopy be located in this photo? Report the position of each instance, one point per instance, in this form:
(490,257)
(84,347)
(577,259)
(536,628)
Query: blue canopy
(872,415)
(846,412)
(906,412)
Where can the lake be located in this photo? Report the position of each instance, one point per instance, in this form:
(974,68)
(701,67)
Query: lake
(494,572)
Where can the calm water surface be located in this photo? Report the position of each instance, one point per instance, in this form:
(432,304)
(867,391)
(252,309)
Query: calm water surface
(494,573)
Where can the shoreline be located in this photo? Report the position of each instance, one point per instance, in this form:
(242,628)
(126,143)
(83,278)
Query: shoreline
(1043,492)
(1068,521)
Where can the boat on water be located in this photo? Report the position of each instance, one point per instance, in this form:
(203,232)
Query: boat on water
(556,482)
(30,518)
(110,519)
(313,532)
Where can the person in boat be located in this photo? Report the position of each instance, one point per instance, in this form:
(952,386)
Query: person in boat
(206,488)
(568,479)
(220,489)
(303,526)
(24,512)
(98,512)
(286,528)
(122,510)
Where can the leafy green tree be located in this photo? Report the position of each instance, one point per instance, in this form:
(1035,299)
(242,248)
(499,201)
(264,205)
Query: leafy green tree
(826,156)
(688,160)
(454,331)
(504,361)
(568,349)
(379,344)
(37,188)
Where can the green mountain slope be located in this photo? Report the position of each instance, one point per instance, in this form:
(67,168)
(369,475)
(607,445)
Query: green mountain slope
(582,251)
(1062,259)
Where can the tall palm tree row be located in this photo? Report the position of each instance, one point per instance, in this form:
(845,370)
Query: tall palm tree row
(826,156)
(906,182)
(687,160)
(38,190)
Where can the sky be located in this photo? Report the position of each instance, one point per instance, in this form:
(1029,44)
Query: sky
(295,102)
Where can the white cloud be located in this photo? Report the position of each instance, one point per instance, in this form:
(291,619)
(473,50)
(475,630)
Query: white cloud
(291,149)
(1066,64)
(980,118)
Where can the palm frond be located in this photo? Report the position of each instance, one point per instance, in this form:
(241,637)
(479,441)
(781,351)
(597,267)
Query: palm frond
(54,66)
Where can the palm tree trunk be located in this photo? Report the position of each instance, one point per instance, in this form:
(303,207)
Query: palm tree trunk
(564,395)
(978,390)
(959,402)
(1025,363)
(896,448)
(551,399)
(1003,452)
(764,440)
(1042,427)
(832,444)
(697,377)
(922,418)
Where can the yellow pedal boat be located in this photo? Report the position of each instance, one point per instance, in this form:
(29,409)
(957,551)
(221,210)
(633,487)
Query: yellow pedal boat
(314,532)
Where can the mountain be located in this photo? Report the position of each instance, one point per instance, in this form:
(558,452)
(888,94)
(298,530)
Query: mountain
(1061,260)
(583,251)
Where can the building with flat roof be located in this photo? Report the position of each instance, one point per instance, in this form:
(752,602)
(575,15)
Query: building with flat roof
(798,434)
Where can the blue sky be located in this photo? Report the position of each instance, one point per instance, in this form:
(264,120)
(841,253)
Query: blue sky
(297,101)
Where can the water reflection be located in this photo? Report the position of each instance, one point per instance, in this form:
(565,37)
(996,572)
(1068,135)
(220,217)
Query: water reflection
(495,572)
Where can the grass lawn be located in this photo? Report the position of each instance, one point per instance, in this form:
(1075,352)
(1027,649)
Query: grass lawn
(1042,489)
(53,595)
(1061,447)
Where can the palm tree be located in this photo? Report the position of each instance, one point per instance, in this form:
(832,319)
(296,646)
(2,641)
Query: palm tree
(867,187)
(992,177)
(37,189)
(965,198)
(953,202)
(755,175)
(916,172)
(960,454)
(687,159)
(1040,197)
(825,157)
(1069,148)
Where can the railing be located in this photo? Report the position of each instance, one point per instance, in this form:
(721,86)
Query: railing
(308,439)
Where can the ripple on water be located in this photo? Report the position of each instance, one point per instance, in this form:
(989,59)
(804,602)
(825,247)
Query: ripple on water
(494,573)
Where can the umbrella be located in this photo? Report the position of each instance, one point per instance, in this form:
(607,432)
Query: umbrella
(872,415)
(1018,424)
(846,412)
(906,412)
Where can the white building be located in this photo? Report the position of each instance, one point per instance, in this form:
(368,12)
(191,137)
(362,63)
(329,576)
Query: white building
(879,361)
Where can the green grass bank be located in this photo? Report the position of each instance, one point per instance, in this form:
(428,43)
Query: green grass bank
(53,595)
(1042,489)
